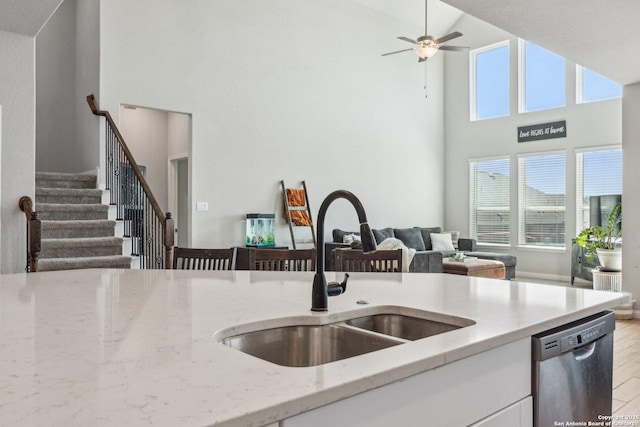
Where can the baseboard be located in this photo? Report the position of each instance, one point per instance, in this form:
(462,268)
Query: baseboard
(106,197)
(88,172)
(523,275)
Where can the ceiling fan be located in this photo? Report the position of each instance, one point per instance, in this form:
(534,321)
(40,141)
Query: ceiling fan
(426,46)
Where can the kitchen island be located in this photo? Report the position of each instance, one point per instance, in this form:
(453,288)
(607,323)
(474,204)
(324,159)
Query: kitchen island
(138,347)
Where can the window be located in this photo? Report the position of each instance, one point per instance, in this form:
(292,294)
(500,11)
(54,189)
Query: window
(542,78)
(593,87)
(541,198)
(489,200)
(598,185)
(490,81)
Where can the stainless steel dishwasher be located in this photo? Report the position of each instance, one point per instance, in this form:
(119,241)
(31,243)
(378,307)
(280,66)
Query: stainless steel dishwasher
(572,372)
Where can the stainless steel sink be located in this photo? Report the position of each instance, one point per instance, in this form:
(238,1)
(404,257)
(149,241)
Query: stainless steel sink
(295,342)
(401,326)
(308,345)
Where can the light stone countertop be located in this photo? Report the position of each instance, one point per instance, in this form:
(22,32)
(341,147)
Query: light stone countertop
(137,347)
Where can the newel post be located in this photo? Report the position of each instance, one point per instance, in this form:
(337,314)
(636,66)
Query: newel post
(35,239)
(34,232)
(169,236)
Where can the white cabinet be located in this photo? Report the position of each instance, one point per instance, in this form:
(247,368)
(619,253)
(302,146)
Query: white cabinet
(519,414)
(457,394)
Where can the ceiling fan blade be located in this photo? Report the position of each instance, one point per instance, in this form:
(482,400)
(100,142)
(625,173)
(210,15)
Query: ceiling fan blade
(407,39)
(454,48)
(397,51)
(447,37)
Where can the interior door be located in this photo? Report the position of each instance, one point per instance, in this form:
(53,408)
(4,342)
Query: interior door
(182,224)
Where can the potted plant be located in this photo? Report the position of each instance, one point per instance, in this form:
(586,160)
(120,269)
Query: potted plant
(604,241)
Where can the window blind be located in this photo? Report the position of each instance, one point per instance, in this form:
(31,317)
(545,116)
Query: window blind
(542,200)
(489,204)
(598,175)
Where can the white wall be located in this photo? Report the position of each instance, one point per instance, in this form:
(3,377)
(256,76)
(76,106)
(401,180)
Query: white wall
(87,70)
(594,124)
(55,82)
(179,134)
(631,177)
(0,179)
(17,93)
(67,52)
(283,90)
(146,134)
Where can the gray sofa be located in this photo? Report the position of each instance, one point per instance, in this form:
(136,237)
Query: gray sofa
(426,260)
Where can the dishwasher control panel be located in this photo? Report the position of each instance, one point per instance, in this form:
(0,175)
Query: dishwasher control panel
(582,337)
(573,335)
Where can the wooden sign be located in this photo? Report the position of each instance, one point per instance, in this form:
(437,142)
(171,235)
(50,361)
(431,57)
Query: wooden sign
(542,131)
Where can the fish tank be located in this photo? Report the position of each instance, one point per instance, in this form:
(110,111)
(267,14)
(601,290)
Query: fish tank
(261,230)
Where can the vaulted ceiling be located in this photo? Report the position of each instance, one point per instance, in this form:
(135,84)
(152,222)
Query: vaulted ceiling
(26,17)
(603,36)
(441,16)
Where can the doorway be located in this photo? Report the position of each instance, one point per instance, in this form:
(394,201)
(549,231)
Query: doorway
(179,199)
(158,138)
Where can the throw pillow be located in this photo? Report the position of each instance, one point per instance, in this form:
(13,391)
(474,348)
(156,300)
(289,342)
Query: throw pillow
(351,238)
(426,236)
(338,235)
(382,234)
(442,242)
(411,237)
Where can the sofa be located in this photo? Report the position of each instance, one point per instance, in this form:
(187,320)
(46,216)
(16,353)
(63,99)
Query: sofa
(426,259)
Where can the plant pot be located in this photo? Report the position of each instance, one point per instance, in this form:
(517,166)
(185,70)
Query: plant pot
(610,259)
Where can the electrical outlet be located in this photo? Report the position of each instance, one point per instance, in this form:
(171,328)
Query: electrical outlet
(202,206)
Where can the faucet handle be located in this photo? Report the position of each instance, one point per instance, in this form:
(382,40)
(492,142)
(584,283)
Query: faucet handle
(367,238)
(335,288)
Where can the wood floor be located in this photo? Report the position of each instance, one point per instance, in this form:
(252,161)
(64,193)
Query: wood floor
(626,369)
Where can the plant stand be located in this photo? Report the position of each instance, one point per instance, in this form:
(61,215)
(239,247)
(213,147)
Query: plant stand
(607,280)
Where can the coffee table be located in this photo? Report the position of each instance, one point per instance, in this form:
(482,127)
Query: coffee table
(474,267)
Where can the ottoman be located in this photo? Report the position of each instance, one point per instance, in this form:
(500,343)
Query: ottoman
(474,267)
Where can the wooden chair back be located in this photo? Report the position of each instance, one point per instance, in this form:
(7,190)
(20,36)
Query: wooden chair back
(379,261)
(282,259)
(204,259)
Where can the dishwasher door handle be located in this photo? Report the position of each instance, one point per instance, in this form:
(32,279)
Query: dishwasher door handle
(585,351)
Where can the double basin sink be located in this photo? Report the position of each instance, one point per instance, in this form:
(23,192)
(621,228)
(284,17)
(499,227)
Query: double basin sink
(299,342)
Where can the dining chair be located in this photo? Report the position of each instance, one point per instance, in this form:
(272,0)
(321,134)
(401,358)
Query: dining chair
(204,259)
(353,260)
(282,259)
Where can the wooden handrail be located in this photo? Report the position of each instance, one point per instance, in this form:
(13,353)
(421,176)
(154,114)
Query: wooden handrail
(123,145)
(26,205)
(34,233)
(165,220)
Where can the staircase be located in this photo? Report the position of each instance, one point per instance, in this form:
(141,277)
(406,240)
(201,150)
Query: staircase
(76,230)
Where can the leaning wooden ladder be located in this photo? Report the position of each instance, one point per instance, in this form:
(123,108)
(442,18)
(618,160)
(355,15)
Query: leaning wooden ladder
(299,210)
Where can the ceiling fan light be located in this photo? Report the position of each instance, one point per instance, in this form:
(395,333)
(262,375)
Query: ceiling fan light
(425,52)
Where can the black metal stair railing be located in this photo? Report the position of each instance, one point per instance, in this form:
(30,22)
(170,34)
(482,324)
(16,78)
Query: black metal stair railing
(151,231)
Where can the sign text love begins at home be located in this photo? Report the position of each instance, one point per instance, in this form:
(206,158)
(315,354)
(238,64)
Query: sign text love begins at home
(542,131)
